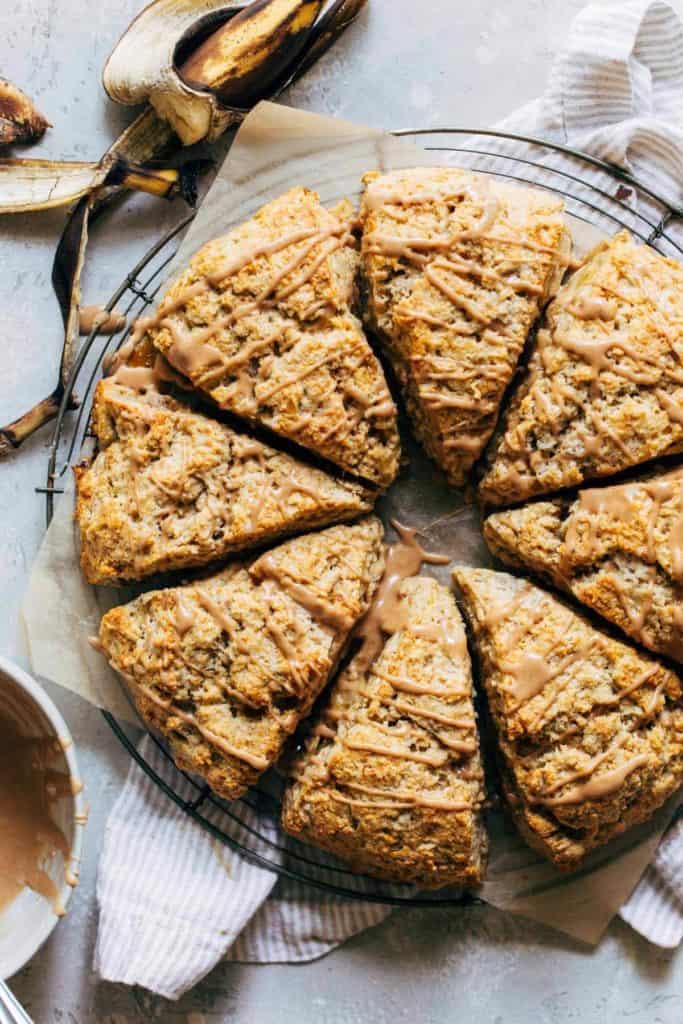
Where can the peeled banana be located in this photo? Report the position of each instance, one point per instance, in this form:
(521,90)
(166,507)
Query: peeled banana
(243,59)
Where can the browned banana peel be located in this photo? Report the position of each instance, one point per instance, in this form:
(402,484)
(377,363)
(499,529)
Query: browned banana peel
(201,65)
(19,119)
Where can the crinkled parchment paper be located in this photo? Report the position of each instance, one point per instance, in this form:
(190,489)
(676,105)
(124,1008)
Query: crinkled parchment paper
(275,149)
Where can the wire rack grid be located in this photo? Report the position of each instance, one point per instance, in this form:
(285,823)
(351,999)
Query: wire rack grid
(595,193)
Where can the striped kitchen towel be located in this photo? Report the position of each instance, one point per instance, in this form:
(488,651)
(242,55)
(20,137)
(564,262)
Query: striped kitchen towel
(173,902)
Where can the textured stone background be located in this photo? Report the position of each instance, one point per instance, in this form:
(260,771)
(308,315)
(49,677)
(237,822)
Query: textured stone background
(406,63)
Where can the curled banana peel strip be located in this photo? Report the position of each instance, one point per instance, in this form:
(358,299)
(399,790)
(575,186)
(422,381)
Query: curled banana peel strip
(200,65)
(31,185)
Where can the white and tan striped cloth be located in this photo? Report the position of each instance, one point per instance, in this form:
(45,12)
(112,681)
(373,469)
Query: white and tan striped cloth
(172,901)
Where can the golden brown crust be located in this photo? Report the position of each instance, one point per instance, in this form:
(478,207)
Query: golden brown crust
(364,805)
(604,387)
(618,549)
(234,661)
(453,306)
(590,730)
(171,488)
(261,321)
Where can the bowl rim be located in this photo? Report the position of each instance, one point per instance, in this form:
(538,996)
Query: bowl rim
(35,692)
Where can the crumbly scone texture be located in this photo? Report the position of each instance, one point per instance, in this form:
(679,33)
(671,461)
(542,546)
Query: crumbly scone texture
(618,549)
(171,489)
(604,387)
(261,321)
(226,668)
(589,729)
(456,268)
(387,814)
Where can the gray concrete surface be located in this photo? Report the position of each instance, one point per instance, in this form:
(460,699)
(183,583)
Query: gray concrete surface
(406,63)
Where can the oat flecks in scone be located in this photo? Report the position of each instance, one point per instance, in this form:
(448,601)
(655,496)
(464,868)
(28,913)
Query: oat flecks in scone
(391,778)
(226,667)
(262,322)
(590,730)
(618,549)
(604,387)
(171,488)
(456,268)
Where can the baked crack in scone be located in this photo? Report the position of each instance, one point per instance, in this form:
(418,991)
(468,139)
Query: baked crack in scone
(171,488)
(261,321)
(618,549)
(604,387)
(590,730)
(391,778)
(456,268)
(226,667)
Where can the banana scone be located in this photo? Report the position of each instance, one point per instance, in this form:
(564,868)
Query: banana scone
(604,387)
(171,489)
(226,667)
(391,778)
(456,268)
(618,549)
(590,730)
(261,321)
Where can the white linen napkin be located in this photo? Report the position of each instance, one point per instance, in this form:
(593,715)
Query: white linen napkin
(173,902)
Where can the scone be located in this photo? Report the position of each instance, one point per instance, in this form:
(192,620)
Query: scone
(226,667)
(261,322)
(391,779)
(171,488)
(604,387)
(618,549)
(590,730)
(456,268)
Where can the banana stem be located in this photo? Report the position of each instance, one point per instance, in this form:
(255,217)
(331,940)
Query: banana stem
(157,182)
(15,433)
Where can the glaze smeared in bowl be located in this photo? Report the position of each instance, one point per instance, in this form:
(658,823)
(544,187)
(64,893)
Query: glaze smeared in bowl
(42,815)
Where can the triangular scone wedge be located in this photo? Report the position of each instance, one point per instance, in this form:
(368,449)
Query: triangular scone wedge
(604,387)
(171,489)
(261,322)
(618,549)
(391,778)
(457,267)
(226,667)
(590,730)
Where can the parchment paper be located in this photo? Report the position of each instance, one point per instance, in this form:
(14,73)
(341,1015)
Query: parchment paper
(275,149)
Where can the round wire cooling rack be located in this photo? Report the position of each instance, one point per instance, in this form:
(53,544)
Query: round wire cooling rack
(594,192)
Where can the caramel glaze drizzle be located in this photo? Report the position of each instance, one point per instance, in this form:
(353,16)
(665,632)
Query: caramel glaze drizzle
(212,738)
(428,255)
(604,353)
(388,615)
(267,570)
(192,354)
(531,673)
(620,503)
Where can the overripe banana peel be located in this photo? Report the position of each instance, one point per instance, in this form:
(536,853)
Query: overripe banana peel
(19,119)
(200,65)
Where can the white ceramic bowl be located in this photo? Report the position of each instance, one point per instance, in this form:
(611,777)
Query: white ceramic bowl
(26,923)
